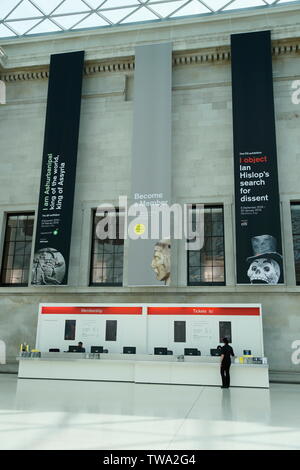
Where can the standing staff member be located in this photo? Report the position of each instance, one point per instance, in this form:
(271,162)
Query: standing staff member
(226,353)
(80,347)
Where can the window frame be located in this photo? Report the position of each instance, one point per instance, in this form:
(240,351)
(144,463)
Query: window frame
(102,284)
(294,203)
(7,215)
(208,283)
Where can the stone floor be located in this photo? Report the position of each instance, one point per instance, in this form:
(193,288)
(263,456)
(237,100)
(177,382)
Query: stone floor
(57,414)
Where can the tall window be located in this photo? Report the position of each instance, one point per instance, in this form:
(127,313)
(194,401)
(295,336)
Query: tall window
(206,266)
(17,249)
(295,212)
(107,254)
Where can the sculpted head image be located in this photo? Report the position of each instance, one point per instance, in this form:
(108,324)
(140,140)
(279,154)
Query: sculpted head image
(161,261)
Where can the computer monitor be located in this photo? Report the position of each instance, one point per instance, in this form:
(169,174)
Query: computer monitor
(74,349)
(161,351)
(191,352)
(257,360)
(54,350)
(215,352)
(129,350)
(96,349)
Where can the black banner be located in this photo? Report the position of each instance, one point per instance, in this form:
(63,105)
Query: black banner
(55,213)
(257,209)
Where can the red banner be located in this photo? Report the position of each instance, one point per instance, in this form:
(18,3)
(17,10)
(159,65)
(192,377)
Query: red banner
(249,311)
(91,310)
(66,310)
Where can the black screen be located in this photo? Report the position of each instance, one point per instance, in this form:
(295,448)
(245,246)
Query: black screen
(215,352)
(129,350)
(247,352)
(70,330)
(111,330)
(179,332)
(96,349)
(161,351)
(225,331)
(191,352)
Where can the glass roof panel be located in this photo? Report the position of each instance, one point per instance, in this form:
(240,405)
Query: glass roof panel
(6,7)
(47,6)
(216,4)
(5,32)
(120,3)
(117,15)
(192,8)
(238,4)
(45,27)
(92,21)
(95,3)
(142,14)
(165,9)
(25,10)
(22,27)
(44,16)
(68,21)
(72,6)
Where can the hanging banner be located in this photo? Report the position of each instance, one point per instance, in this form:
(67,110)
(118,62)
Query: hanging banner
(149,247)
(257,206)
(55,212)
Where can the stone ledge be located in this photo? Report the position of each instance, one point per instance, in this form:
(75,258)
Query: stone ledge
(126,64)
(161,290)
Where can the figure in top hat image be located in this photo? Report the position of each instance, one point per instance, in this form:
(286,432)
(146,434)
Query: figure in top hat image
(265,263)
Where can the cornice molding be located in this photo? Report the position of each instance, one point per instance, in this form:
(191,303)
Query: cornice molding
(126,64)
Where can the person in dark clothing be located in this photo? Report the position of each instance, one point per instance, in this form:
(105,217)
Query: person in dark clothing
(80,347)
(226,353)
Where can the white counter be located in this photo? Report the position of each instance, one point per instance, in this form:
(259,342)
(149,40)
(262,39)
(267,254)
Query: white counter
(194,370)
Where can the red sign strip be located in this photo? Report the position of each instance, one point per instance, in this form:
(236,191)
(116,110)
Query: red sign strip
(249,311)
(91,310)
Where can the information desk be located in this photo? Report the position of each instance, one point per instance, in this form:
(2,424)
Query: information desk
(141,368)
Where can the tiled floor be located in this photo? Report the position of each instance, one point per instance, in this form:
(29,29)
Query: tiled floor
(45,414)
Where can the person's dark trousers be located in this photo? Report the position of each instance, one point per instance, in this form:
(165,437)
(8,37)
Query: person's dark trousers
(225,375)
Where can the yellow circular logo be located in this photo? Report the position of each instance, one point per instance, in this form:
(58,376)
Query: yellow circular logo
(139,229)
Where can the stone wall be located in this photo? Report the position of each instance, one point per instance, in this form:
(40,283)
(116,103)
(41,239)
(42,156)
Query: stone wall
(202,150)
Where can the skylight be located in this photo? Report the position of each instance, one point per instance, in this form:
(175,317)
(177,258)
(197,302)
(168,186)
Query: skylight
(19,18)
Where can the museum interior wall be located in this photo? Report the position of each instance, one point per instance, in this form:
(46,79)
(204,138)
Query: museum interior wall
(202,160)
